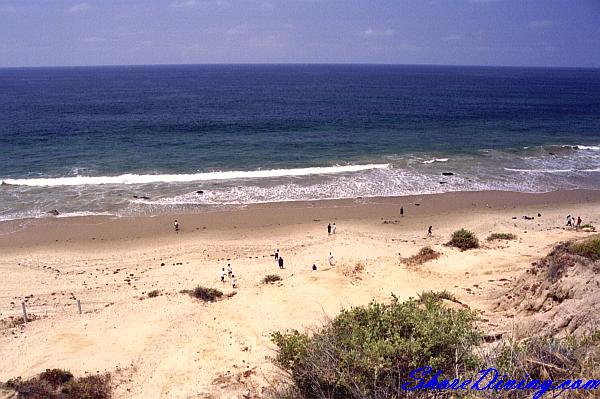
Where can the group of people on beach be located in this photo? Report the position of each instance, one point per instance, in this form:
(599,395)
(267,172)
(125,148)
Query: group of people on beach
(230,275)
(279,259)
(331,228)
(571,222)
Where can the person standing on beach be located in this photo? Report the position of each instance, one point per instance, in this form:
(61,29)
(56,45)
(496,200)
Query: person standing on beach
(429,231)
(277,254)
(401,211)
(569,223)
(176,225)
(329,229)
(233,281)
(330,259)
(229,270)
(280,262)
(333,228)
(578,222)
(223,275)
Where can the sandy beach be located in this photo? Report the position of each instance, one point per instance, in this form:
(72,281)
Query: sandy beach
(173,346)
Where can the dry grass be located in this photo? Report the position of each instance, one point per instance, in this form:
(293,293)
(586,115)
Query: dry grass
(60,384)
(271,278)
(589,248)
(425,254)
(501,236)
(352,270)
(204,293)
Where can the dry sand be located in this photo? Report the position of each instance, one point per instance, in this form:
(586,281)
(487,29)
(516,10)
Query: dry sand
(173,346)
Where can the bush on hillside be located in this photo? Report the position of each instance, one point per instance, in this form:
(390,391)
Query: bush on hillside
(589,248)
(369,351)
(464,239)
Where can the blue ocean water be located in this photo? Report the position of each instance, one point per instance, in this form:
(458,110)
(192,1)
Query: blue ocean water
(92,139)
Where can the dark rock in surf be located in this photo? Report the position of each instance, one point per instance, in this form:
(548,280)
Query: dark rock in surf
(53,212)
(447,173)
(199,192)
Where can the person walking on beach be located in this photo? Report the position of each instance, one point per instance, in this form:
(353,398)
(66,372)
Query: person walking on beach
(280,262)
(429,231)
(277,254)
(233,281)
(314,267)
(401,211)
(176,225)
(330,259)
(333,228)
(329,229)
(229,270)
(569,221)
(578,222)
(223,275)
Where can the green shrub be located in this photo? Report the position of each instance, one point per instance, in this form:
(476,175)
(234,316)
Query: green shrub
(271,278)
(501,236)
(588,226)
(464,239)
(204,293)
(369,351)
(590,248)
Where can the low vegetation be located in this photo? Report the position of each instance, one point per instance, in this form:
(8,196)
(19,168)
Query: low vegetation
(589,248)
(425,254)
(60,384)
(368,352)
(501,236)
(14,321)
(464,239)
(271,278)
(153,293)
(352,270)
(435,296)
(588,226)
(204,293)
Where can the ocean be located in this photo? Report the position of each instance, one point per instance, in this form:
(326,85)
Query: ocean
(146,140)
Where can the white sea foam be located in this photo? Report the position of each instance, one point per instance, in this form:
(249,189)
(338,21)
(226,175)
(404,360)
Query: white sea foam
(588,147)
(436,160)
(539,170)
(179,178)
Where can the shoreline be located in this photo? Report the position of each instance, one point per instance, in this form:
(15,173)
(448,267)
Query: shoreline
(81,229)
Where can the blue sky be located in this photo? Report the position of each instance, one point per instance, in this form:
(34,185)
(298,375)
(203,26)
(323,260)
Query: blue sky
(451,32)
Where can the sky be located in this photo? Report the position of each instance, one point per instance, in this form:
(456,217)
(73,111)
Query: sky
(563,33)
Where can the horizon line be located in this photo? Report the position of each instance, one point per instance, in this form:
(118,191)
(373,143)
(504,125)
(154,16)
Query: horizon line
(296,63)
